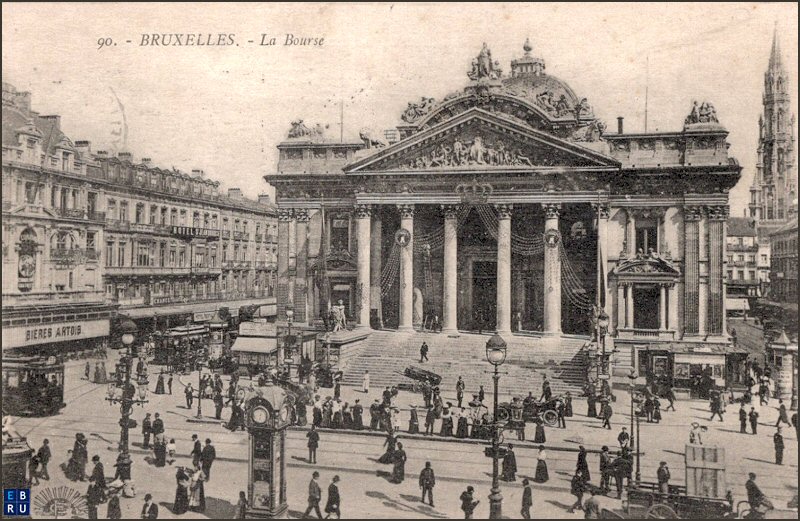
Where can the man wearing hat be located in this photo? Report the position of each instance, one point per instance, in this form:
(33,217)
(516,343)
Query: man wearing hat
(624,438)
(427,480)
(527,499)
(663,477)
(468,503)
(98,476)
(149,509)
(147,428)
(753,416)
(197,450)
(605,469)
(777,438)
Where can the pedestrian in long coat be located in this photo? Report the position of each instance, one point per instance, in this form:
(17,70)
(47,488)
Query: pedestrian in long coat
(313,444)
(656,410)
(399,460)
(147,429)
(207,457)
(430,418)
(358,416)
(447,422)
(468,503)
(413,423)
(527,499)
(753,417)
(98,476)
(782,416)
(374,415)
(607,413)
(114,511)
(539,436)
(777,439)
(590,400)
(181,503)
(567,405)
(742,419)
(577,486)
(391,445)
(160,383)
(427,480)
(605,469)
(333,505)
(510,465)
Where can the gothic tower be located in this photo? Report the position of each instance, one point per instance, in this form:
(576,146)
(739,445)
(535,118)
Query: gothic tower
(773,194)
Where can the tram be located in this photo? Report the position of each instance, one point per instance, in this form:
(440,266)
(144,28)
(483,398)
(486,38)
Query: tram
(32,385)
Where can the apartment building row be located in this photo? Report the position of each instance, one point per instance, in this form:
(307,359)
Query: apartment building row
(88,234)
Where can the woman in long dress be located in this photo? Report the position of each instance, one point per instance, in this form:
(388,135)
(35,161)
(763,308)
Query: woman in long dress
(114,511)
(160,383)
(347,416)
(181,504)
(390,443)
(567,405)
(656,410)
(462,429)
(447,423)
(541,466)
(399,460)
(539,436)
(197,493)
(413,423)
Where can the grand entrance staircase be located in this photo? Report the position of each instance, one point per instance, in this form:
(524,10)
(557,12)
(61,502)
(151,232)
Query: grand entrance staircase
(529,359)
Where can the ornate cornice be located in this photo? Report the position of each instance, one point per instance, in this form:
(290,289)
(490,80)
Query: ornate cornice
(648,212)
(603,208)
(692,213)
(301,215)
(718,213)
(551,211)
(363,211)
(504,211)
(285,214)
(406,211)
(450,211)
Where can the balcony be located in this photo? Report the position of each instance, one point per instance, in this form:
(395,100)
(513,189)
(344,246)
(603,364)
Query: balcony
(7,206)
(118,225)
(272,238)
(129,301)
(240,236)
(237,265)
(96,216)
(206,270)
(45,298)
(226,234)
(626,333)
(74,255)
(259,237)
(71,213)
(155,271)
(265,265)
(163,300)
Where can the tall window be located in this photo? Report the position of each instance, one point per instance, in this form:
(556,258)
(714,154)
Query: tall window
(109,253)
(121,254)
(90,241)
(162,251)
(123,211)
(112,209)
(173,217)
(647,239)
(139,213)
(143,258)
(182,257)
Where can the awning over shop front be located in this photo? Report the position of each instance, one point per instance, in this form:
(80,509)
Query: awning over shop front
(698,348)
(737,304)
(250,344)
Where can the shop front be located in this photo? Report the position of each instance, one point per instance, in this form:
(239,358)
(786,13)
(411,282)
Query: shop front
(60,333)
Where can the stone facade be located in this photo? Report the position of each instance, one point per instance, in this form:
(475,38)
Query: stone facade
(496,204)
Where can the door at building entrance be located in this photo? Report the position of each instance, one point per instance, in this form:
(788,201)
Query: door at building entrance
(484,295)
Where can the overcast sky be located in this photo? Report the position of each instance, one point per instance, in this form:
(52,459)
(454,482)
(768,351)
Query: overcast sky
(225,108)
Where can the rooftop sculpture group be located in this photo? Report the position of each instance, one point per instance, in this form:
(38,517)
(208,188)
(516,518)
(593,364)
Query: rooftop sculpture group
(705,113)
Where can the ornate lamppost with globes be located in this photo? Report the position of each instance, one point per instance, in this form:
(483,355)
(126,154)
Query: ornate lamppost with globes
(496,355)
(123,391)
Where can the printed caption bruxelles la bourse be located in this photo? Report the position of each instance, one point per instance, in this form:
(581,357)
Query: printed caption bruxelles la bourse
(226,39)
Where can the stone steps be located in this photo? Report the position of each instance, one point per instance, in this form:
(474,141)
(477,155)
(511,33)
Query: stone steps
(528,360)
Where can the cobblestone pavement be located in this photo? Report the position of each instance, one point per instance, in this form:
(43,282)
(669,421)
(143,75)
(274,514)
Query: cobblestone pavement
(364,486)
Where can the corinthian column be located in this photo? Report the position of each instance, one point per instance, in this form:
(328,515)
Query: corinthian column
(363,213)
(406,267)
(504,268)
(301,265)
(552,271)
(450,290)
(282,290)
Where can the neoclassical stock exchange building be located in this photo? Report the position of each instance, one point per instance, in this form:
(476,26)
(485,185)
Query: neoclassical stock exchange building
(508,206)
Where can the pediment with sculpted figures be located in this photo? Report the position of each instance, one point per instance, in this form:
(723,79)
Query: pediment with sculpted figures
(478,140)
(646,268)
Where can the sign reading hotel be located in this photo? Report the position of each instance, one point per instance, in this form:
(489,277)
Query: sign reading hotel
(189,231)
(51,333)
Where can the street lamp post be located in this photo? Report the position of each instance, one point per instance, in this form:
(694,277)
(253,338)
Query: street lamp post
(632,376)
(638,447)
(124,392)
(199,389)
(496,355)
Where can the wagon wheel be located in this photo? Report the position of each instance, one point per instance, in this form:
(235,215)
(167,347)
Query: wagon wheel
(550,418)
(661,511)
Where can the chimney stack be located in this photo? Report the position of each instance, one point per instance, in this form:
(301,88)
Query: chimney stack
(84,147)
(198,173)
(54,120)
(146,161)
(263,199)
(235,193)
(125,156)
(620,119)
(101,153)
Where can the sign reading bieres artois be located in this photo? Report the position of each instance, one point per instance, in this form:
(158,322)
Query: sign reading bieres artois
(43,334)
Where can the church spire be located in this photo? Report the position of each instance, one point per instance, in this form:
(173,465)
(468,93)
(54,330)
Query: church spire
(775,63)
